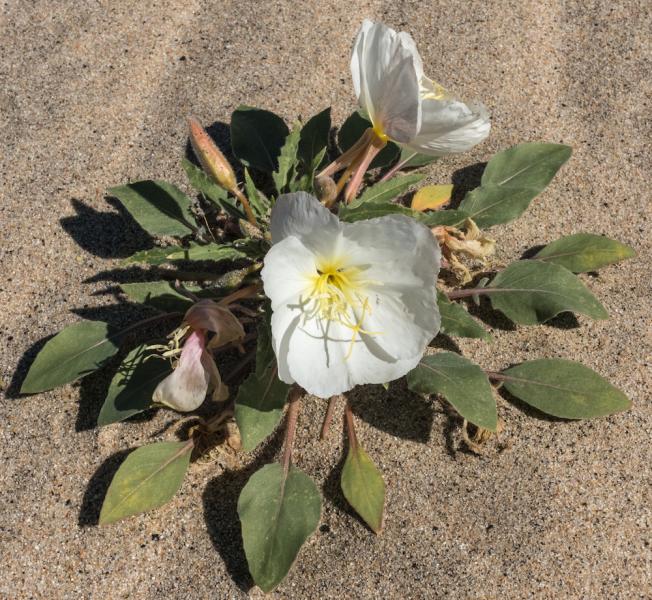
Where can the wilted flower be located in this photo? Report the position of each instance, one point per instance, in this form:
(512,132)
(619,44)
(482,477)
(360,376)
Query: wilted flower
(196,372)
(352,303)
(471,243)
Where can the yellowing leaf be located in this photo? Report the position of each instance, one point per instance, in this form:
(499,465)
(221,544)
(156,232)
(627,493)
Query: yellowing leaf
(432,197)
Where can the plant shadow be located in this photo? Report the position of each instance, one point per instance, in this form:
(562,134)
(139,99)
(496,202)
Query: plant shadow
(464,180)
(89,511)
(24,363)
(494,318)
(105,234)
(220,500)
(531,252)
(396,411)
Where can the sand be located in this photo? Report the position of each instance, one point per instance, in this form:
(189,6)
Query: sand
(94,94)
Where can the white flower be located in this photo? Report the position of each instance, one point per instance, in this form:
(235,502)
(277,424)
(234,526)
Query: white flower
(352,303)
(403,104)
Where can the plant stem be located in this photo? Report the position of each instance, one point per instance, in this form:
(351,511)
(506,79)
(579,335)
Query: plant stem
(350,426)
(328,418)
(397,167)
(496,376)
(245,292)
(247,207)
(468,292)
(291,427)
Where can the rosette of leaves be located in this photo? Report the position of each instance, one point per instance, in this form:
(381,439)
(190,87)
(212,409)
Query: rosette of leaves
(205,239)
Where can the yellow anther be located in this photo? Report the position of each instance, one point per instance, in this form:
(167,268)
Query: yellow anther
(336,294)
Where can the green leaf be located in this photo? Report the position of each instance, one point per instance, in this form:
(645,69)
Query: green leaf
(414,159)
(152,256)
(584,252)
(373,210)
(162,295)
(257,137)
(450,217)
(158,207)
(463,383)
(257,199)
(313,140)
(209,189)
(212,252)
(147,479)
(456,321)
(261,398)
(259,406)
(74,352)
(169,254)
(287,160)
(278,513)
(385,191)
(352,130)
(363,487)
(532,291)
(132,386)
(511,180)
(563,388)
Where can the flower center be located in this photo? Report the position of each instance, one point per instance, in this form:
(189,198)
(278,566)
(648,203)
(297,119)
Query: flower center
(336,293)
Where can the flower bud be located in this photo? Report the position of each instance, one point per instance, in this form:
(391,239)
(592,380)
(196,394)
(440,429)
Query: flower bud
(210,157)
(325,189)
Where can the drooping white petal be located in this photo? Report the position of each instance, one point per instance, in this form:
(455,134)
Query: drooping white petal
(450,126)
(386,70)
(185,388)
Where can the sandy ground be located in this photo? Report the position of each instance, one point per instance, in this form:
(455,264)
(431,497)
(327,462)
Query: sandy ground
(96,93)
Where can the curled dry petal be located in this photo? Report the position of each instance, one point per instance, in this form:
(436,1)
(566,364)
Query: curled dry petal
(471,243)
(210,316)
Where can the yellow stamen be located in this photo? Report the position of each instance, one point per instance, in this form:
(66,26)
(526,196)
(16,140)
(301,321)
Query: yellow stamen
(380,134)
(336,293)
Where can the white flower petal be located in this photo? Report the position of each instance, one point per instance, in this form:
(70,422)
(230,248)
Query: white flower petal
(386,71)
(303,216)
(287,267)
(450,126)
(321,358)
(185,388)
(356,62)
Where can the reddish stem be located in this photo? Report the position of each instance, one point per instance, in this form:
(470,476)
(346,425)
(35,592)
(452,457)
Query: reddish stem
(350,426)
(468,292)
(291,428)
(328,418)
(397,167)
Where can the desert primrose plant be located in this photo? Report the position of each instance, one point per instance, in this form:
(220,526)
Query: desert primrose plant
(321,278)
